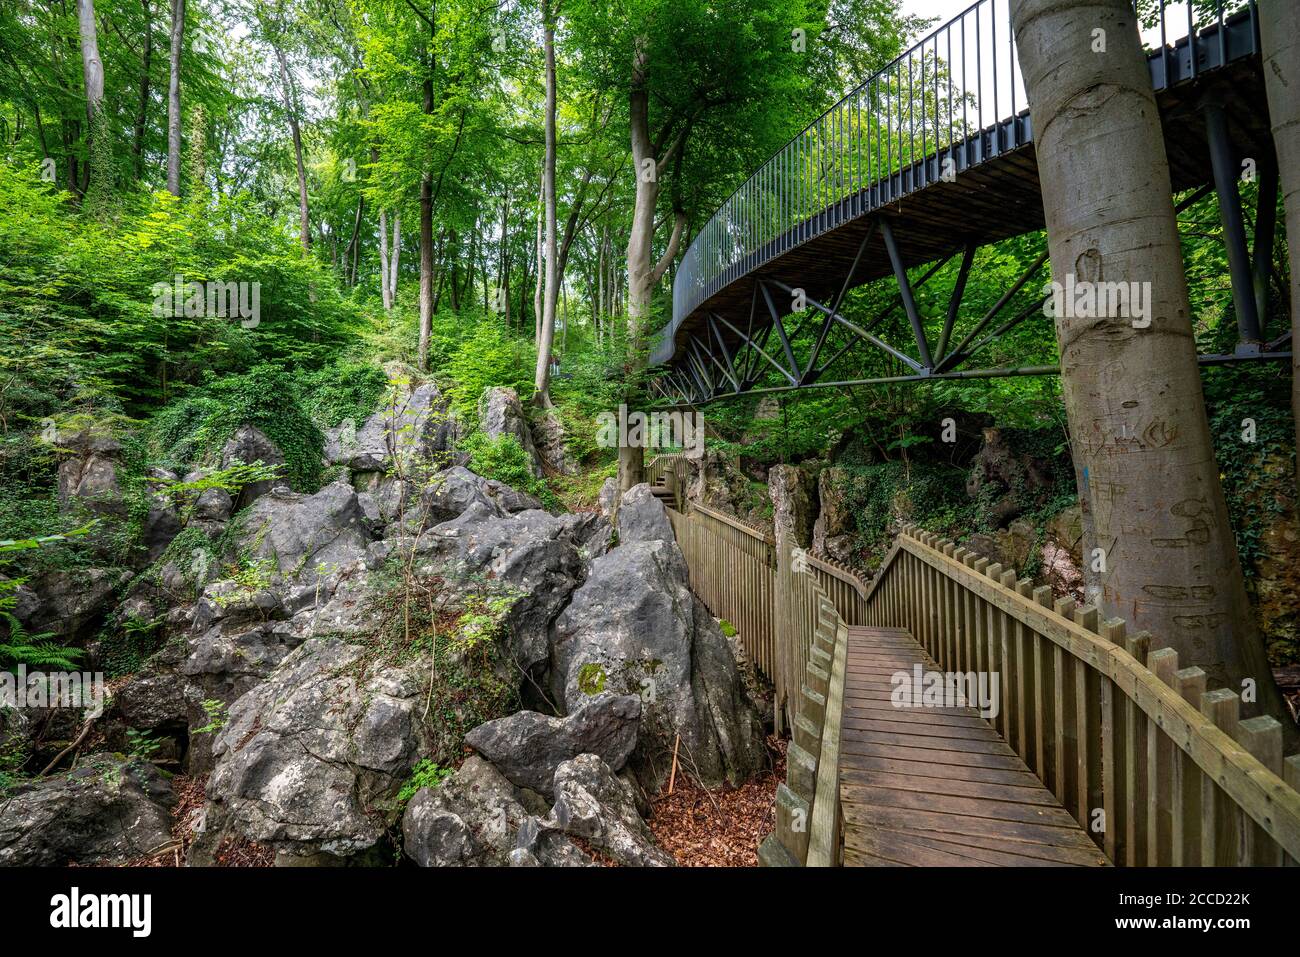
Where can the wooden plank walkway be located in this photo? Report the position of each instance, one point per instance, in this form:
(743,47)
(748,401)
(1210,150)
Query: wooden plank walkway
(938,786)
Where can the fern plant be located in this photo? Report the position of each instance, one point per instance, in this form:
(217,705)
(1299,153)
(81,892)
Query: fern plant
(35,651)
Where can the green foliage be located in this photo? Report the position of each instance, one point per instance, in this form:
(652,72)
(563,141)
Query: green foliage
(426,774)
(505,460)
(142,744)
(194,430)
(489,356)
(126,646)
(347,389)
(35,651)
(217,716)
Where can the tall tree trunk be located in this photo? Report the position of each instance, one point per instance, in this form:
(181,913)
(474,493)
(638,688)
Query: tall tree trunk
(397,255)
(426,266)
(540,255)
(1147,476)
(174,99)
(503,262)
(1279,30)
(354,244)
(542,375)
(92,70)
(384,294)
(142,112)
(291,108)
(643,273)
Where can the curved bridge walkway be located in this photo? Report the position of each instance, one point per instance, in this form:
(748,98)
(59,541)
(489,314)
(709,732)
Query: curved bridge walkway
(924,163)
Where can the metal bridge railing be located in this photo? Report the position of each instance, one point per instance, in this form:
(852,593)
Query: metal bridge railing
(951,102)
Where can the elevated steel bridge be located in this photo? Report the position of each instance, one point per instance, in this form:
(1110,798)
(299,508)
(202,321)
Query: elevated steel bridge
(925,162)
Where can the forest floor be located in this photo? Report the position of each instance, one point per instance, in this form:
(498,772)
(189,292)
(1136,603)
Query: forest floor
(721,827)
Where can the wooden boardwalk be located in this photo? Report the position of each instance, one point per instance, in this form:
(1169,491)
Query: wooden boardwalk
(929,786)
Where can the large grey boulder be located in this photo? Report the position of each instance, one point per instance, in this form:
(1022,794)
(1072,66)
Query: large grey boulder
(635,627)
(549,438)
(308,757)
(527,746)
(643,518)
(500,413)
(533,558)
(70,605)
(474,819)
(592,803)
(249,446)
(91,480)
(108,810)
(307,536)
(413,427)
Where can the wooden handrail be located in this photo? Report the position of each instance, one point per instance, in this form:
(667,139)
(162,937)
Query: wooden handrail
(1190,765)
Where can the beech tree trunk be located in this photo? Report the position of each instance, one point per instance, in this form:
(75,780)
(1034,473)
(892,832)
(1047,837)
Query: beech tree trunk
(291,108)
(542,376)
(92,70)
(1279,30)
(541,256)
(384,293)
(142,112)
(174,100)
(1147,477)
(397,255)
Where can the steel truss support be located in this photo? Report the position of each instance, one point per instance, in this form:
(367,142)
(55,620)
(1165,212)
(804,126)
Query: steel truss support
(723,360)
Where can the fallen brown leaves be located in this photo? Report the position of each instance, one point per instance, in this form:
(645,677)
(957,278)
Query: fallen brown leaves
(190,799)
(723,827)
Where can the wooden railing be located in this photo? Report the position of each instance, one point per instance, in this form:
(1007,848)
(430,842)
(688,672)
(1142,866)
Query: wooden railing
(791,613)
(1155,767)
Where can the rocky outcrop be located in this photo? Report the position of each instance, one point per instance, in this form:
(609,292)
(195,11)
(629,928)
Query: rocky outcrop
(527,746)
(500,413)
(1010,547)
(307,536)
(108,810)
(474,820)
(248,446)
(715,482)
(593,804)
(549,438)
(1008,480)
(635,627)
(68,605)
(793,505)
(89,476)
(642,517)
(308,756)
(832,535)
(414,427)
(537,556)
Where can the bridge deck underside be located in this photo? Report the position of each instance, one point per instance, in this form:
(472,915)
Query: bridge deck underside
(997,199)
(938,786)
